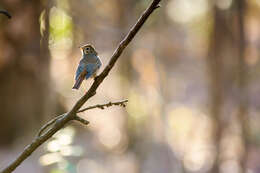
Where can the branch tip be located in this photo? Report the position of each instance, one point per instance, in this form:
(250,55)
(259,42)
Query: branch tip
(157,6)
(6,13)
(103,106)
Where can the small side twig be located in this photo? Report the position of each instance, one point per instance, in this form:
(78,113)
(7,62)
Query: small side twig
(83,121)
(102,106)
(6,13)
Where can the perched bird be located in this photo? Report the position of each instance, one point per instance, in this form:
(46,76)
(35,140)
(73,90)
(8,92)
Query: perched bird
(88,65)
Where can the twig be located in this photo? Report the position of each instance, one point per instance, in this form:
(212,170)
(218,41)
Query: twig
(83,121)
(100,106)
(5,13)
(91,92)
(120,103)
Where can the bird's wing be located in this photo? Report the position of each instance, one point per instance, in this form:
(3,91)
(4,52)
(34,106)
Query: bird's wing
(80,76)
(80,79)
(80,68)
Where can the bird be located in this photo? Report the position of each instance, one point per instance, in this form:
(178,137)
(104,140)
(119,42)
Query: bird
(88,65)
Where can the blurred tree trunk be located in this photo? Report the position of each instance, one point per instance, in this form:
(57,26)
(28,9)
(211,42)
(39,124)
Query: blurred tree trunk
(24,69)
(215,61)
(221,74)
(243,82)
(227,67)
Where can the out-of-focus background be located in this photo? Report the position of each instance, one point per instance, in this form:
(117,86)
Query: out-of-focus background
(191,76)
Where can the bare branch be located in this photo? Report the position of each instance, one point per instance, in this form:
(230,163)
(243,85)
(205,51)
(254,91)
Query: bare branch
(45,126)
(100,106)
(60,122)
(120,103)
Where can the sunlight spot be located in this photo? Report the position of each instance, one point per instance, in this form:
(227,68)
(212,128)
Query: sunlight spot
(110,137)
(197,159)
(224,4)
(61,27)
(137,112)
(65,136)
(257,2)
(53,146)
(42,22)
(71,151)
(87,165)
(184,11)
(230,166)
(50,158)
(65,139)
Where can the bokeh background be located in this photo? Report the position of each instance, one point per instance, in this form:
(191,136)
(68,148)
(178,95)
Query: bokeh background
(191,76)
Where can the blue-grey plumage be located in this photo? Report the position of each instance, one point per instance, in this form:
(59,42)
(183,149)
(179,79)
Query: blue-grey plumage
(88,65)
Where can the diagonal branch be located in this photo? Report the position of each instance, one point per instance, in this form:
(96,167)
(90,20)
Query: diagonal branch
(59,123)
(48,124)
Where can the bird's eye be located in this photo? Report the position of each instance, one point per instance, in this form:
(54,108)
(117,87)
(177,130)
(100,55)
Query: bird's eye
(86,50)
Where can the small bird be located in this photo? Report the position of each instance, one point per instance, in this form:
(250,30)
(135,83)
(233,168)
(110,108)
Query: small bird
(88,65)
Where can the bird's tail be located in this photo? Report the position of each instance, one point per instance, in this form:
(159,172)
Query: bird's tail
(78,83)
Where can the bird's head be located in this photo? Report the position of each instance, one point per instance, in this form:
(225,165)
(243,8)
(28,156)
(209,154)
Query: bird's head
(88,49)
